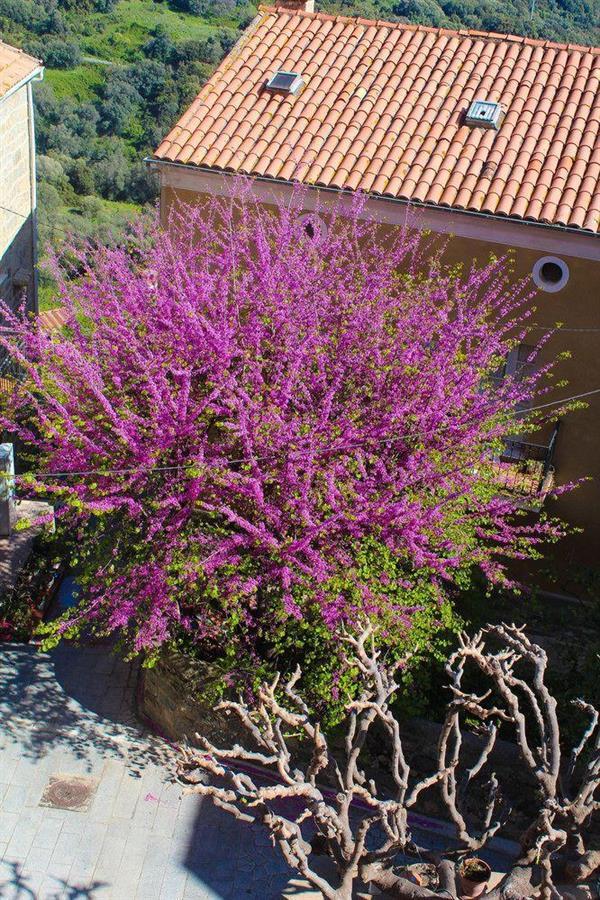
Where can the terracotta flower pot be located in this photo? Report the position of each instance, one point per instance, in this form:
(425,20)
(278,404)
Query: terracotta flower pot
(474,877)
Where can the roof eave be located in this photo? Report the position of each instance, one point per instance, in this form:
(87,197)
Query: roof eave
(534,223)
(36,74)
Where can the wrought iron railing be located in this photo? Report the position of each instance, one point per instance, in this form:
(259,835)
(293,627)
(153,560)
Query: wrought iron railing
(527,468)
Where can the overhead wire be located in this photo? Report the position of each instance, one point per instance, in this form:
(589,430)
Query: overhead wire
(250,459)
(40,223)
(559,328)
(100,472)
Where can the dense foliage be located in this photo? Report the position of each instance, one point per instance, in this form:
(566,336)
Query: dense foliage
(282,433)
(101,144)
(116,80)
(576,21)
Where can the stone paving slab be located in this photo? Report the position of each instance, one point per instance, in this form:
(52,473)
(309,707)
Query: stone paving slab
(71,711)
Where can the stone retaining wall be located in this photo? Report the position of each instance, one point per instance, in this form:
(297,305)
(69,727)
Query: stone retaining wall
(170,697)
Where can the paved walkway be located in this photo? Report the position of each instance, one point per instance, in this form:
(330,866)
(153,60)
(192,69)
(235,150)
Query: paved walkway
(71,712)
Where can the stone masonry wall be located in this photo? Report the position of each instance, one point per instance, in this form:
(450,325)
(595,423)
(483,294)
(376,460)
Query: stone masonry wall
(170,697)
(16,226)
(170,700)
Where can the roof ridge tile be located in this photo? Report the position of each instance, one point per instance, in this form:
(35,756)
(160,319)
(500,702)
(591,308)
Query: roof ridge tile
(436,29)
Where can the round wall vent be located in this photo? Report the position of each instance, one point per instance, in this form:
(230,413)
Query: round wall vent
(550,273)
(314,226)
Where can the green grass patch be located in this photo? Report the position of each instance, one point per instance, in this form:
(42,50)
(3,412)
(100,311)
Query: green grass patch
(80,83)
(86,217)
(121,207)
(47,293)
(119,35)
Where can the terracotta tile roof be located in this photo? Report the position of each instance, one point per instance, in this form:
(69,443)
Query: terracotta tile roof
(382,112)
(53,319)
(14,67)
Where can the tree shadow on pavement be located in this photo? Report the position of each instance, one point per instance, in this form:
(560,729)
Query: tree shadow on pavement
(232,859)
(21,889)
(81,699)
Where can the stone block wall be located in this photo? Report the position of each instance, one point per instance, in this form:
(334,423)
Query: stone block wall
(171,700)
(16,218)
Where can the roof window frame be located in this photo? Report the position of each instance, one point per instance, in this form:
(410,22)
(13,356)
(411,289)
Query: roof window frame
(493,118)
(295,85)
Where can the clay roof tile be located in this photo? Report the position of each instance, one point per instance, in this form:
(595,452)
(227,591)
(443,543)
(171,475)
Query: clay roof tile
(382,110)
(15,67)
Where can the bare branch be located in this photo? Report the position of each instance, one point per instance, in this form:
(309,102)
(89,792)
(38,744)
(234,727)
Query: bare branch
(515,694)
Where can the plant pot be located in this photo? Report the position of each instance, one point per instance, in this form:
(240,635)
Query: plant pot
(474,876)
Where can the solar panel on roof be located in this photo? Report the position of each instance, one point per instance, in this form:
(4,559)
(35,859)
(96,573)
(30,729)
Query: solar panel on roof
(284,82)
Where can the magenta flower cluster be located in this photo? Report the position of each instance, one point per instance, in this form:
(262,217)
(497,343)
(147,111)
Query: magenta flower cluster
(243,405)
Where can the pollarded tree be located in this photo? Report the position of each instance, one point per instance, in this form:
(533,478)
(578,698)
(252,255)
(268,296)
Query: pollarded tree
(315,801)
(262,433)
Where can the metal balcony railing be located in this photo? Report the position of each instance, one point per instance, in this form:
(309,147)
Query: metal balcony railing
(527,468)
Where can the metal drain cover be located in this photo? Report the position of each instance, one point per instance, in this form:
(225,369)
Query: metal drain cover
(69,792)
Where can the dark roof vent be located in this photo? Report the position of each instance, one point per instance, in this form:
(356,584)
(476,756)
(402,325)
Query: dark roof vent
(484,114)
(284,83)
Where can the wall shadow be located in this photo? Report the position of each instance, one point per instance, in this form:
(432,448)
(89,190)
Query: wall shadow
(232,859)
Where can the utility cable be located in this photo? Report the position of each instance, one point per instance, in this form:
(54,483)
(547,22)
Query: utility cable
(188,466)
(243,460)
(559,328)
(40,223)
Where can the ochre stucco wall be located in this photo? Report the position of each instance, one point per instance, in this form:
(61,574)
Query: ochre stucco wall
(577,454)
(576,306)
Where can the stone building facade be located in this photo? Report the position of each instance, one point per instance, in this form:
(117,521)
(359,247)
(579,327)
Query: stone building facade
(17,177)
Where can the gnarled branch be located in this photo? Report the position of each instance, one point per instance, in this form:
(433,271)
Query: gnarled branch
(295,807)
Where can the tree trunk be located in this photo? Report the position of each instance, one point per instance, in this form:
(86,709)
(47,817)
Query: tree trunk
(586,866)
(394,886)
(519,884)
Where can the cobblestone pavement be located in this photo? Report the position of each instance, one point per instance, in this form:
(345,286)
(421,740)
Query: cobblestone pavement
(71,712)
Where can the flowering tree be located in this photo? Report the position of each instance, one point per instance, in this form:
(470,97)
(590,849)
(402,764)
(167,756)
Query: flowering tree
(249,428)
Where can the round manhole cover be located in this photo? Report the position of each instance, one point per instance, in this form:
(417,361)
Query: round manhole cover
(69,792)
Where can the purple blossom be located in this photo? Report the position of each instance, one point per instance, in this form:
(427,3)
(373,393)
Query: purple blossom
(253,407)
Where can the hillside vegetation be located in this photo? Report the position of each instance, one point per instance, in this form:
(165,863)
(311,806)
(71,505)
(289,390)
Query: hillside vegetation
(119,72)
(569,21)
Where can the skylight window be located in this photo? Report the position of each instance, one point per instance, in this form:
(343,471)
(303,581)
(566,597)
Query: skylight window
(485,114)
(284,82)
